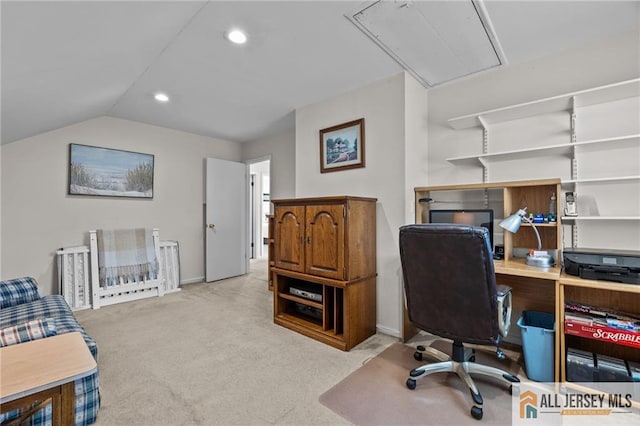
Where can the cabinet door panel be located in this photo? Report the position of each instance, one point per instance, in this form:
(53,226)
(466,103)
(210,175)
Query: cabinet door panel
(289,234)
(325,241)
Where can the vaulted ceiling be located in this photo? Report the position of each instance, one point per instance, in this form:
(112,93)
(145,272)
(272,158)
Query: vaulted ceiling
(66,62)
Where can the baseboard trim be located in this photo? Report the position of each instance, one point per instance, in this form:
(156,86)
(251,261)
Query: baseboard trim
(192,280)
(388,331)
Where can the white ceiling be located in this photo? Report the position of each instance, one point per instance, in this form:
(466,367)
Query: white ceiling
(435,41)
(65,62)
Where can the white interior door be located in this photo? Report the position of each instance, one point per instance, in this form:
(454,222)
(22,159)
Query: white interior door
(226,219)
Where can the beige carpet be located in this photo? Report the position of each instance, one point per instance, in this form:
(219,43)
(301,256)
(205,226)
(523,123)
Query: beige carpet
(376,393)
(211,355)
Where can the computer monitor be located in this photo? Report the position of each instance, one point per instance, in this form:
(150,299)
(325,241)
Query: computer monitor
(482,217)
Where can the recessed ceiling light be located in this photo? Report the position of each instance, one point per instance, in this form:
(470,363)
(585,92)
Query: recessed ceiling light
(161,97)
(237,36)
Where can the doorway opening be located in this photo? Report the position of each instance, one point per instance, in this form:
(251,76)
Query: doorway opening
(259,207)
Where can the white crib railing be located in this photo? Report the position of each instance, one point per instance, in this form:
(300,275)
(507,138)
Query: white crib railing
(170,265)
(123,291)
(74,277)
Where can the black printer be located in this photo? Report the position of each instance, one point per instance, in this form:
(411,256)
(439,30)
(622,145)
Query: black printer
(621,266)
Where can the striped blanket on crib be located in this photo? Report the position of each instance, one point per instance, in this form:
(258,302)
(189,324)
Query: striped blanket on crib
(126,254)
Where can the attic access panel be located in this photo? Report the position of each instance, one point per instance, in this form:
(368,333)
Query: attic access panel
(435,41)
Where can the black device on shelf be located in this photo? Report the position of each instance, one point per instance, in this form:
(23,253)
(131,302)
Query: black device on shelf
(474,217)
(585,366)
(621,266)
(309,311)
(307,290)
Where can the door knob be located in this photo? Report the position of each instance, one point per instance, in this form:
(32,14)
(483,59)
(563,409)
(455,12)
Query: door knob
(211,226)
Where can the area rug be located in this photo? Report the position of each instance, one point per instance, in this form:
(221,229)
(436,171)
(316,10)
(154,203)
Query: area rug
(376,393)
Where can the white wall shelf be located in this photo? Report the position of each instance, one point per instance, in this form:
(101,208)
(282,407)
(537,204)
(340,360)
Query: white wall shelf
(570,155)
(566,102)
(610,218)
(604,179)
(565,149)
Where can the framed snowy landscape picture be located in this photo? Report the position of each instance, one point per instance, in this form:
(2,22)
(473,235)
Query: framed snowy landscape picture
(109,172)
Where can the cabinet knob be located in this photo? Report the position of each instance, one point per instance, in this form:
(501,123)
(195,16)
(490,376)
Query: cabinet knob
(211,226)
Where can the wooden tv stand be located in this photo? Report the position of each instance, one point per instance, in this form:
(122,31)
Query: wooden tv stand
(326,245)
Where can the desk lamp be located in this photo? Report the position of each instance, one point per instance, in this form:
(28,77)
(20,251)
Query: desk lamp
(539,257)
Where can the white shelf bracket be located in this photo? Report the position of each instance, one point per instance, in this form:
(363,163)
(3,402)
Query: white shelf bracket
(574,164)
(485,170)
(485,147)
(572,120)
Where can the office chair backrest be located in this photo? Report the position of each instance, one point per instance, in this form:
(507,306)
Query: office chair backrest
(449,281)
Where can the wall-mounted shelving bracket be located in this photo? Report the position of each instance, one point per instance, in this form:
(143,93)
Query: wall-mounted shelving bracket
(485,148)
(574,161)
(574,165)
(485,169)
(572,124)
(572,119)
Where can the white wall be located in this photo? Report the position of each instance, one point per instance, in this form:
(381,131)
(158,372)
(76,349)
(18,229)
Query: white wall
(38,216)
(1,213)
(281,148)
(416,141)
(383,177)
(610,61)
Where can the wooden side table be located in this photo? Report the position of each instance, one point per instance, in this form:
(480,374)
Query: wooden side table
(43,370)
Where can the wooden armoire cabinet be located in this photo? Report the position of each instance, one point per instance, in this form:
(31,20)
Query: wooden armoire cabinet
(324,268)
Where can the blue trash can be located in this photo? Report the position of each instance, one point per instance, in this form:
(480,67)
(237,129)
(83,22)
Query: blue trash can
(538,332)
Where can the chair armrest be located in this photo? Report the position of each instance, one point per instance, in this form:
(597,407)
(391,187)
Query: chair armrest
(18,291)
(503,294)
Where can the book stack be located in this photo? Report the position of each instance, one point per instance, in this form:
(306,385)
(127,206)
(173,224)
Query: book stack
(602,324)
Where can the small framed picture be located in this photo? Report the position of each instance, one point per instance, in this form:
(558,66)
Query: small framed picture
(342,146)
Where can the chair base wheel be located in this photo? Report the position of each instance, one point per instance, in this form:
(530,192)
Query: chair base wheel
(476,412)
(417,356)
(411,384)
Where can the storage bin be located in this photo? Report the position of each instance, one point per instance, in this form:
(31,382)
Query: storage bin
(538,333)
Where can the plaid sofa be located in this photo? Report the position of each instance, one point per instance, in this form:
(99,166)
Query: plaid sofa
(21,303)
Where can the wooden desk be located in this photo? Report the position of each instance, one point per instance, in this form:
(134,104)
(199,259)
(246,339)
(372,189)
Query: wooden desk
(534,289)
(536,295)
(546,290)
(537,289)
(518,268)
(45,369)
